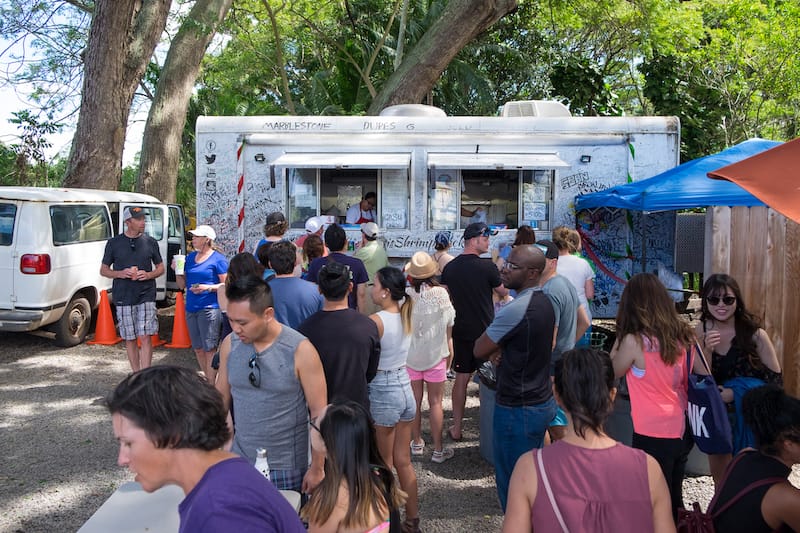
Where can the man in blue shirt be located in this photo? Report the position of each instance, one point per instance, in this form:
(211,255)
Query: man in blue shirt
(336,241)
(294,299)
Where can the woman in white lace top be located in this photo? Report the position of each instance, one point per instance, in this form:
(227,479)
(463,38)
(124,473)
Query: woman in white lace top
(431,343)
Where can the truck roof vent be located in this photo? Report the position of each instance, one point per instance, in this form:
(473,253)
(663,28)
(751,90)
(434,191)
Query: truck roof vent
(412,110)
(535,108)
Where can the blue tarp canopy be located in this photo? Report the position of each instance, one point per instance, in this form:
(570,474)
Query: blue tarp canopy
(683,187)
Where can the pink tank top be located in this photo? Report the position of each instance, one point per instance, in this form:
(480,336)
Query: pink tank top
(596,490)
(658,398)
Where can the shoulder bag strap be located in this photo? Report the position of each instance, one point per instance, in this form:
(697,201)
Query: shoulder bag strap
(725,475)
(549,491)
(702,356)
(744,491)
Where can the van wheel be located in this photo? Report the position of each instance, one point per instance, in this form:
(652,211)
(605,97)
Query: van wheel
(72,327)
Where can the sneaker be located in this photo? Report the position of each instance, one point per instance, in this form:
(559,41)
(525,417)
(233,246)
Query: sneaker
(417,448)
(443,455)
(451,374)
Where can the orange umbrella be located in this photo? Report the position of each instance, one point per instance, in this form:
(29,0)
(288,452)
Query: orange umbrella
(772,176)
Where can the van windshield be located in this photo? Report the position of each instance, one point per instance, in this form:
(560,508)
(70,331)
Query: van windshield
(8,213)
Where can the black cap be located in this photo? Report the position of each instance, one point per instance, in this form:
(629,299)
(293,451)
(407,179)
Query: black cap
(549,248)
(476,229)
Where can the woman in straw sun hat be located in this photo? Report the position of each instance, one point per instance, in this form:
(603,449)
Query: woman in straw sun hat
(431,343)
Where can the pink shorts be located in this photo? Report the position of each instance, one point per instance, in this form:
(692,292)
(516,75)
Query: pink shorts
(437,374)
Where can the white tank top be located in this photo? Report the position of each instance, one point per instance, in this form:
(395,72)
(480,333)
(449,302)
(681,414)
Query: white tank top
(394,343)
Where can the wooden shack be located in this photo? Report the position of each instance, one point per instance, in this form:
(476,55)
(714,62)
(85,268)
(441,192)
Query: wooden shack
(760,248)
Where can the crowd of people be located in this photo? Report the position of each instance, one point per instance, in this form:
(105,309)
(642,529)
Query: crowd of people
(330,354)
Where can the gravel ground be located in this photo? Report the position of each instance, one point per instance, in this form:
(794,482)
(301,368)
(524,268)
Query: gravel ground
(58,455)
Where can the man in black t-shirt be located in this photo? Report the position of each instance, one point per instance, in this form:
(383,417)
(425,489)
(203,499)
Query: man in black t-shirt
(348,342)
(471,280)
(136,261)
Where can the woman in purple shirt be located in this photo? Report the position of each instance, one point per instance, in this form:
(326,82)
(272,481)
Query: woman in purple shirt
(170,424)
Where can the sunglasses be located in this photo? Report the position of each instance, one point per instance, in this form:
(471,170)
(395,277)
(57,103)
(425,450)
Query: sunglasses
(132,243)
(255,371)
(727,300)
(508,265)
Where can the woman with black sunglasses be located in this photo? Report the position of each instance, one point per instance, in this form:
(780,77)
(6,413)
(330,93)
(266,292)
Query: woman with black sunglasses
(740,351)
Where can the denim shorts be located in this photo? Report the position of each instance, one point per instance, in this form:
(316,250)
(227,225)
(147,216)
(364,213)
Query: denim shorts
(204,328)
(391,399)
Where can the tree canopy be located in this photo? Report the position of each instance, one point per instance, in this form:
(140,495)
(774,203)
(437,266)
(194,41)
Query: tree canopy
(728,68)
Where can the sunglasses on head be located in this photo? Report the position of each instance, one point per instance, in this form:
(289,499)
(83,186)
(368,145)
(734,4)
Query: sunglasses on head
(727,300)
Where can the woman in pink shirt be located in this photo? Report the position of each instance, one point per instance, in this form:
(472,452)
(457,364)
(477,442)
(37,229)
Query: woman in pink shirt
(650,351)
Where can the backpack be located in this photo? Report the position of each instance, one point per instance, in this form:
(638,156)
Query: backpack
(696,521)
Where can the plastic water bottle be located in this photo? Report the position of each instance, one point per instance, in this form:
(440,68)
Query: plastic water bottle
(261,462)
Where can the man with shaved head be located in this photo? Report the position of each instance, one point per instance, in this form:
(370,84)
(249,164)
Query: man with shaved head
(520,339)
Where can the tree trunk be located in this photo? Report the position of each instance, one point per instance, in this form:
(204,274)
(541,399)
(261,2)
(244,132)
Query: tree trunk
(122,39)
(460,22)
(161,146)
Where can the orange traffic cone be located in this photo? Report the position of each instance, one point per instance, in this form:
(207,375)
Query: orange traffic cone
(106,332)
(180,331)
(155,340)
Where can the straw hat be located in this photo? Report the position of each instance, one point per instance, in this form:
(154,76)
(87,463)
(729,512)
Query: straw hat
(421,266)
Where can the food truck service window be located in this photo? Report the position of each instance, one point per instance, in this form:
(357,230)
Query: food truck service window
(332,183)
(498,189)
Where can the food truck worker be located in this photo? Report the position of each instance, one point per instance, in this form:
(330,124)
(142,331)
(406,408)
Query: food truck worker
(363,211)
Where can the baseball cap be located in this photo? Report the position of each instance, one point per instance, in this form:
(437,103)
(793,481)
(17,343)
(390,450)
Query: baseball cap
(204,231)
(132,212)
(476,229)
(275,218)
(313,224)
(549,248)
(370,229)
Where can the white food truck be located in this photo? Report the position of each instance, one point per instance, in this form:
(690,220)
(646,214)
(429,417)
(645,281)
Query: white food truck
(431,172)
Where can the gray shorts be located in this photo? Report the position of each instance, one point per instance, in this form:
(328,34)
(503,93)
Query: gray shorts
(204,327)
(137,320)
(391,399)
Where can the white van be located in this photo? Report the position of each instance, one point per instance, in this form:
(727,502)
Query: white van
(51,246)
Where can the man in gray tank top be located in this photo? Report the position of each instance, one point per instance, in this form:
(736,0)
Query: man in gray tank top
(274,376)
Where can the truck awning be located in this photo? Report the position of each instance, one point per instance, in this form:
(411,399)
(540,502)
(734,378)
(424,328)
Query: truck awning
(494,161)
(343,160)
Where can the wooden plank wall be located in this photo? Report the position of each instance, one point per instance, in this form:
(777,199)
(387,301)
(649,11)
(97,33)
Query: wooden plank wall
(760,248)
